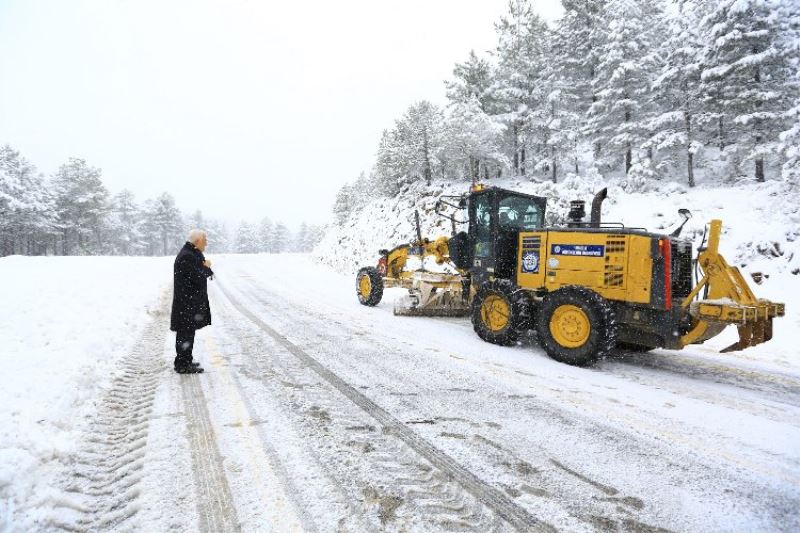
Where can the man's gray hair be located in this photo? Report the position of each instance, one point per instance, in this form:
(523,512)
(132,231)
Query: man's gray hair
(195,235)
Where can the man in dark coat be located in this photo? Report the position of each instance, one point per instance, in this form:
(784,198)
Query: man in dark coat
(190,308)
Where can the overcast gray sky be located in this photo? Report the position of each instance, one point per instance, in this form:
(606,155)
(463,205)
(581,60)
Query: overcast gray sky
(239,108)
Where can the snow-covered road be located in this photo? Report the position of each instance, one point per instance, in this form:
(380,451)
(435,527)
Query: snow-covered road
(318,414)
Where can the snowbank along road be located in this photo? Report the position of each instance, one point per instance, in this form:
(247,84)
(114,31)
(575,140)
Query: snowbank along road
(317,414)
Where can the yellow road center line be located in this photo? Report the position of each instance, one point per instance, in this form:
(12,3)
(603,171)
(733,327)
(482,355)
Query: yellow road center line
(274,500)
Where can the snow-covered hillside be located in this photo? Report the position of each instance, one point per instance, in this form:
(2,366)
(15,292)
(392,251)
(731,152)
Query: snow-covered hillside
(761,222)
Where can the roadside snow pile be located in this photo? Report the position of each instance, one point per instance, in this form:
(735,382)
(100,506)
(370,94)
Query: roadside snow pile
(65,322)
(761,224)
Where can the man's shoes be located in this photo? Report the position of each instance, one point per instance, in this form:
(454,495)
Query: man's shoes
(194,368)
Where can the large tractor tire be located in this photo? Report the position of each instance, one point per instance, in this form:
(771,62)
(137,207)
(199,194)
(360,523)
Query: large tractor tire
(576,326)
(501,312)
(369,286)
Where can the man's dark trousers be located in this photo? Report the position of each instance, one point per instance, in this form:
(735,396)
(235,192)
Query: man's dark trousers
(184,342)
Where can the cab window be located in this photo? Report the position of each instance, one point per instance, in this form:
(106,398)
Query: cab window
(519,213)
(483,226)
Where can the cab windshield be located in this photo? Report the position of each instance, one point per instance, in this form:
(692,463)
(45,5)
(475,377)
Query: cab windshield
(515,212)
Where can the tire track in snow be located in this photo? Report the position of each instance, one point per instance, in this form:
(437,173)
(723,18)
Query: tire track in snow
(506,508)
(547,487)
(730,464)
(214,501)
(107,469)
(381,483)
(779,387)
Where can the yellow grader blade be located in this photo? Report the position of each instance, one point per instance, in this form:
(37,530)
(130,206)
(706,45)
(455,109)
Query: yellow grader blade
(729,301)
(433,294)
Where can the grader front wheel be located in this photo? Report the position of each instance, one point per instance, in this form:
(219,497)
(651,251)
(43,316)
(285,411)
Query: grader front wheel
(576,326)
(501,312)
(369,286)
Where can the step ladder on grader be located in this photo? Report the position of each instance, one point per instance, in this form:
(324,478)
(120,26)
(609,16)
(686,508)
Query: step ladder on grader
(586,287)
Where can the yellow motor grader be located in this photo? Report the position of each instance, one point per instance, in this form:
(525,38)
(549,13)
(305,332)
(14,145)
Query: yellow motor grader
(585,287)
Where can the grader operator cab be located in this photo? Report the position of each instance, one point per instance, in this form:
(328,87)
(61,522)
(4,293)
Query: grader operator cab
(585,287)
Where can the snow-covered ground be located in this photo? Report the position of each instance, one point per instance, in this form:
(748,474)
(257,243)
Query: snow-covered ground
(316,413)
(65,322)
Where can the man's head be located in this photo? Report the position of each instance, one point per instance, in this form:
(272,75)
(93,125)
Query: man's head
(199,238)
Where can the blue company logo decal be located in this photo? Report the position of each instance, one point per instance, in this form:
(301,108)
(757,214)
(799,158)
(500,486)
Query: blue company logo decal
(582,250)
(530,262)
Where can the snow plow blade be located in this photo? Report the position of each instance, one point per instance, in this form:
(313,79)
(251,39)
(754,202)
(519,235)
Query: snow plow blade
(404,307)
(433,294)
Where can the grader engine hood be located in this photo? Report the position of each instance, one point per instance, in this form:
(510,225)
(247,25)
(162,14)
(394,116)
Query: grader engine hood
(728,300)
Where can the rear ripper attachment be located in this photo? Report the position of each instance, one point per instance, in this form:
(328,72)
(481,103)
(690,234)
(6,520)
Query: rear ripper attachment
(728,300)
(585,287)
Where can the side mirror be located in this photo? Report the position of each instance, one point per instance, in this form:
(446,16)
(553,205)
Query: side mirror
(686,214)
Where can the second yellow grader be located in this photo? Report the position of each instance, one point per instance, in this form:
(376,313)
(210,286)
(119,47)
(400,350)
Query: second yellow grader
(586,287)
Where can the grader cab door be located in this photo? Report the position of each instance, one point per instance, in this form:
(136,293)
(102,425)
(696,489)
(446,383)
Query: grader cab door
(497,216)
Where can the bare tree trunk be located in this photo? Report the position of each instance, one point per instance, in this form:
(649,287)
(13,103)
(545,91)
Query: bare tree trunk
(759,166)
(628,154)
(757,126)
(628,159)
(689,155)
(426,166)
(515,132)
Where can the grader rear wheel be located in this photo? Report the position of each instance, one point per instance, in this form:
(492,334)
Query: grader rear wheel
(369,286)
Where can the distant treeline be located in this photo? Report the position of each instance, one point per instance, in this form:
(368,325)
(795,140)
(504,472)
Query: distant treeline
(72,213)
(642,90)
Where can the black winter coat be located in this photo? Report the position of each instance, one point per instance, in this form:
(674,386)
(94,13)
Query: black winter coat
(190,309)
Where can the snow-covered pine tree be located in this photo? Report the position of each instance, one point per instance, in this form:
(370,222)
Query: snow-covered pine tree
(676,134)
(343,204)
(518,90)
(577,49)
(572,70)
(750,74)
(313,237)
(420,141)
(27,210)
(618,119)
(82,206)
(299,241)
(166,225)
(472,79)
(125,222)
(791,149)
(219,240)
(265,231)
(247,239)
(474,141)
(558,119)
(281,238)
(196,220)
